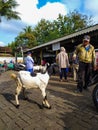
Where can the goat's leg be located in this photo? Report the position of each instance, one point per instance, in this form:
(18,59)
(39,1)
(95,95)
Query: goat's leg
(24,94)
(18,90)
(45,101)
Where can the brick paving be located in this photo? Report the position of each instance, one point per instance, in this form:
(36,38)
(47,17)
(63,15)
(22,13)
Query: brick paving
(70,111)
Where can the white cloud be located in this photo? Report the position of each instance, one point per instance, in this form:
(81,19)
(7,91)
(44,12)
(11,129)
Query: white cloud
(72,4)
(92,5)
(92,8)
(8,26)
(2,43)
(11,26)
(30,14)
(88,7)
(51,11)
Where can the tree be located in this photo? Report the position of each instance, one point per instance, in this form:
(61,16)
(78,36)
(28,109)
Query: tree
(46,31)
(25,39)
(77,21)
(6,9)
(72,22)
(41,31)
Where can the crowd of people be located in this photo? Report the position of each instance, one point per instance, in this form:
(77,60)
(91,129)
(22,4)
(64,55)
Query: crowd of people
(83,63)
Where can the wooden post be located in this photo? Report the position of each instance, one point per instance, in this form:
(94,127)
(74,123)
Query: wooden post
(15,57)
(41,55)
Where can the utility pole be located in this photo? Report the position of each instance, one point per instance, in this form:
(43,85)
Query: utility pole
(22,53)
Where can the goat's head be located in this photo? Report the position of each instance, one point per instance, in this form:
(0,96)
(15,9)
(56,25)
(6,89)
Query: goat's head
(43,69)
(48,68)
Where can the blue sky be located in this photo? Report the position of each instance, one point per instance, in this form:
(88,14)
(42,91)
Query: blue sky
(32,11)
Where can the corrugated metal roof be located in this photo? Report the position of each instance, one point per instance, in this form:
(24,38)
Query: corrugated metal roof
(83,31)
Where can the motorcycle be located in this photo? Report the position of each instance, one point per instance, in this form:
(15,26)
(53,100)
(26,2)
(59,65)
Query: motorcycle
(94,82)
(19,66)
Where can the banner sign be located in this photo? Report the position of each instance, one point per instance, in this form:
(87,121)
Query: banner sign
(56,46)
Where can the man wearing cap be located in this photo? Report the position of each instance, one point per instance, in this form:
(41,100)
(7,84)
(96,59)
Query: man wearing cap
(29,62)
(86,54)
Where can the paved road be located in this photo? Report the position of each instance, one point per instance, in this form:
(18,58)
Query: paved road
(70,111)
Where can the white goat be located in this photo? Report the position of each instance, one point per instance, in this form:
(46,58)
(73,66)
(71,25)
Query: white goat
(24,81)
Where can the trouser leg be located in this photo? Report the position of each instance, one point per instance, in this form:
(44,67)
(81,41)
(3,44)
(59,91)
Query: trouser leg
(74,72)
(81,75)
(61,73)
(65,73)
(88,74)
(77,68)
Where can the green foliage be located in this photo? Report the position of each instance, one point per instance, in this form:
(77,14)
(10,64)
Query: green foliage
(25,39)
(41,31)
(6,9)
(46,31)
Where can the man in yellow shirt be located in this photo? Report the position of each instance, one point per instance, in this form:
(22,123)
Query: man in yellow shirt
(86,54)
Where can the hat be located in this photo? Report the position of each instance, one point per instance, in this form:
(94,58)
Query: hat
(86,38)
(29,53)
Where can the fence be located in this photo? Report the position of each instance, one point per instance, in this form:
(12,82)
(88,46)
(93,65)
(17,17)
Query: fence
(8,59)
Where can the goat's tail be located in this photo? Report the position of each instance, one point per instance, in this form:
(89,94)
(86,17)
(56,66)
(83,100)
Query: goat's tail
(14,76)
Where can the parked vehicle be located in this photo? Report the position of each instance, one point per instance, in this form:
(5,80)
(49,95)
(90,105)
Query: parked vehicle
(96,51)
(10,66)
(19,66)
(95,82)
(95,90)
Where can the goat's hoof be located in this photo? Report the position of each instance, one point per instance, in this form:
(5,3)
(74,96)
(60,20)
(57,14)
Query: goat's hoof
(41,107)
(17,106)
(49,107)
(26,98)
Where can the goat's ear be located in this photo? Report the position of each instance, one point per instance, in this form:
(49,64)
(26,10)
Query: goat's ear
(47,64)
(13,76)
